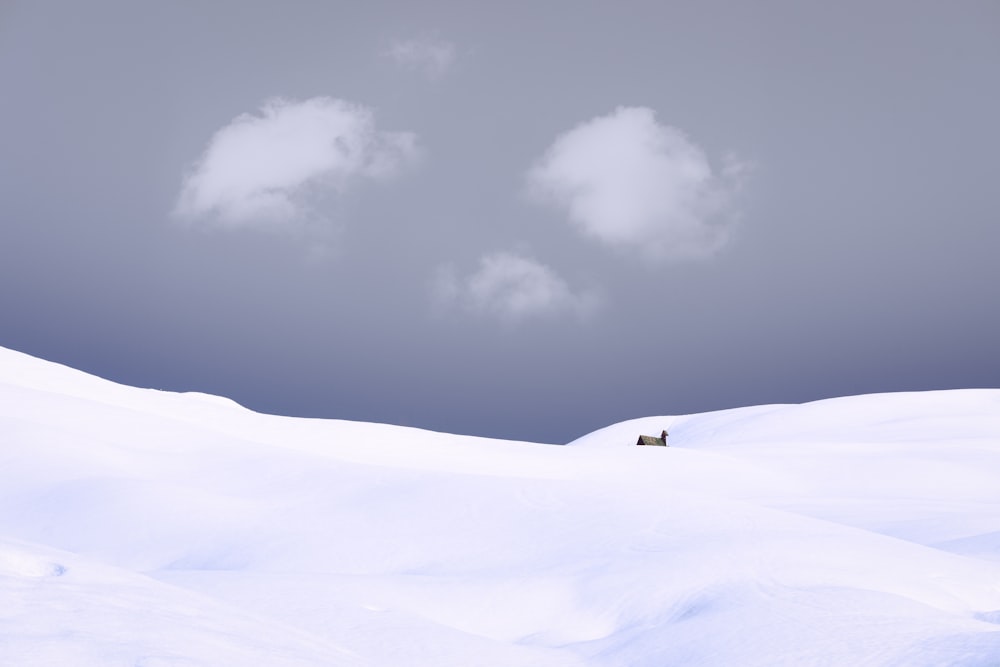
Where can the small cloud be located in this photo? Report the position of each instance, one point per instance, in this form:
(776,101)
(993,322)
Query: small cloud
(267,169)
(512,288)
(432,58)
(629,181)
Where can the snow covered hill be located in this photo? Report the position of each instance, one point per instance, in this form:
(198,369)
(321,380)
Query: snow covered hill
(153,529)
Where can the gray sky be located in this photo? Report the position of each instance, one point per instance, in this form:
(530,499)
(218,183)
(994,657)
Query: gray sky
(521,221)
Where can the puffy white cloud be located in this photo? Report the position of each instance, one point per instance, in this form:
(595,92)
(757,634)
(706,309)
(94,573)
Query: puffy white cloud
(629,181)
(512,287)
(268,168)
(432,58)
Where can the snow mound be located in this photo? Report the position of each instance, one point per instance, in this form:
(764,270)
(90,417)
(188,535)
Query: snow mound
(212,399)
(140,527)
(16,561)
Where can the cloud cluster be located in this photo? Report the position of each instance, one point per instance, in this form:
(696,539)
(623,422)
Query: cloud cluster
(513,288)
(432,58)
(265,169)
(629,181)
(623,179)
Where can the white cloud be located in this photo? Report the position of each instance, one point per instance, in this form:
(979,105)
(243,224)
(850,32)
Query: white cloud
(629,181)
(268,168)
(432,58)
(512,287)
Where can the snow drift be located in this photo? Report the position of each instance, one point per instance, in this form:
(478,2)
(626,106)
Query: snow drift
(148,528)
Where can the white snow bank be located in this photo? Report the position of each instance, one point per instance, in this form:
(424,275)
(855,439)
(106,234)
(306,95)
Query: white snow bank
(140,527)
(61,609)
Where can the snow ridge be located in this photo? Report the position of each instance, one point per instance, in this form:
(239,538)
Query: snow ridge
(140,527)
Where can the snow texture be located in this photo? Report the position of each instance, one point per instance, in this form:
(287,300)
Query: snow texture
(146,528)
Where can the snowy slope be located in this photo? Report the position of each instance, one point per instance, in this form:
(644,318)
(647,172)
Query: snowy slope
(148,528)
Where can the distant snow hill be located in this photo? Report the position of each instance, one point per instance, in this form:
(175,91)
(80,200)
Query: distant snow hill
(149,529)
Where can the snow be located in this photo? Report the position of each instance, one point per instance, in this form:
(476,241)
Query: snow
(140,527)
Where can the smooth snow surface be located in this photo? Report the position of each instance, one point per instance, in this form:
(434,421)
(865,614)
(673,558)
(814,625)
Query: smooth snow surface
(152,529)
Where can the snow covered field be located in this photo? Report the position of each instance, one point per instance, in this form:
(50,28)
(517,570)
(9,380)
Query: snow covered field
(146,528)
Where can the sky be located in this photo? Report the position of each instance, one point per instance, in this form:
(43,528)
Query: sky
(519,220)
